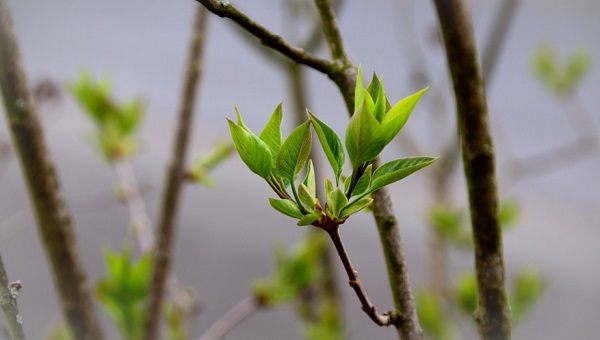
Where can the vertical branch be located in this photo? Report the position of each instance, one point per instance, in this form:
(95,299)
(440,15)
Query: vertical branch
(175,175)
(54,221)
(493,315)
(8,302)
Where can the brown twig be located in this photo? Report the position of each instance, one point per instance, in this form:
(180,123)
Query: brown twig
(494,43)
(493,315)
(386,319)
(54,221)
(8,301)
(175,176)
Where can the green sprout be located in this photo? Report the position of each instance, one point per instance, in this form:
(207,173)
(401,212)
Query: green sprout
(279,161)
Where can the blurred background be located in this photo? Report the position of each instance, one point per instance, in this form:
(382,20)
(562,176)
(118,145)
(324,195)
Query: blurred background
(546,141)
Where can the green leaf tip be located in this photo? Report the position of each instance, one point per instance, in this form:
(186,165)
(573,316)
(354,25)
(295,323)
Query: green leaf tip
(331,144)
(294,152)
(398,115)
(286,207)
(252,150)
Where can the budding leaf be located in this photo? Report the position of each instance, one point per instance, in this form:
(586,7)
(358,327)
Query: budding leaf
(286,207)
(294,152)
(271,133)
(355,207)
(364,137)
(397,116)
(253,151)
(306,196)
(310,180)
(359,95)
(332,145)
(364,182)
(336,201)
(398,169)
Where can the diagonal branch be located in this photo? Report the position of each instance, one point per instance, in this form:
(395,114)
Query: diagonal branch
(175,176)
(226,10)
(54,220)
(493,315)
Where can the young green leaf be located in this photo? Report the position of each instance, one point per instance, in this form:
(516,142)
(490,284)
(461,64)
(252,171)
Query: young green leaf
(310,180)
(240,121)
(377,92)
(310,218)
(395,119)
(336,201)
(332,145)
(294,152)
(355,207)
(364,137)
(286,207)
(253,151)
(398,169)
(271,133)
(364,182)
(359,95)
(328,187)
(306,196)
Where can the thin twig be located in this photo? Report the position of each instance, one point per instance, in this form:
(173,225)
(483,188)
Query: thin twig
(175,175)
(386,319)
(225,9)
(54,221)
(8,301)
(136,205)
(331,30)
(232,318)
(493,315)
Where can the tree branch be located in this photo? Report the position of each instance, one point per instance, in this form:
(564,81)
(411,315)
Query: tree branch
(226,10)
(54,221)
(493,315)
(332,31)
(175,176)
(8,301)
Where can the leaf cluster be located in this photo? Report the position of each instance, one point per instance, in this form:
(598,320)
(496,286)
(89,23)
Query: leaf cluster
(279,161)
(116,123)
(124,290)
(560,78)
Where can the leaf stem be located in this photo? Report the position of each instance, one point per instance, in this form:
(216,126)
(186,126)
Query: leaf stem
(232,318)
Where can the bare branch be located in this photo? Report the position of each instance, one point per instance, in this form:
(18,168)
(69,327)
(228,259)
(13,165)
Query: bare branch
(494,42)
(54,221)
(226,10)
(332,31)
(175,176)
(493,315)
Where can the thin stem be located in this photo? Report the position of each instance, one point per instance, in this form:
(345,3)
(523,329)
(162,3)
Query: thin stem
(8,301)
(354,282)
(232,318)
(54,221)
(493,315)
(494,43)
(136,205)
(175,175)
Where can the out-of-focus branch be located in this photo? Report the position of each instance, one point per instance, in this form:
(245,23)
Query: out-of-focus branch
(493,315)
(8,301)
(175,175)
(136,205)
(232,318)
(54,221)
(494,42)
